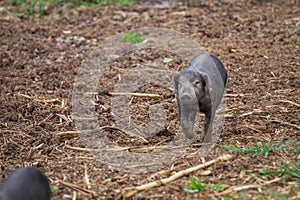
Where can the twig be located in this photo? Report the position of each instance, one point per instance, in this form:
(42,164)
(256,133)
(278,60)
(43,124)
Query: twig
(245,187)
(38,100)
(256,128)
(234,95)
(229,115)
(174,177)
(152,96)
(126,132)
(66,133)
(285,123)
(255,111)
(148,148)
(14,131)
(86,177)
(80,149)
(290,102)
(47,118)
(77,188)
(272,181)
(138,148)
(68,119)
(74,196)
(133,148)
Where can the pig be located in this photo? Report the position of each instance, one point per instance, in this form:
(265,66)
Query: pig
(25,183)
(200,88)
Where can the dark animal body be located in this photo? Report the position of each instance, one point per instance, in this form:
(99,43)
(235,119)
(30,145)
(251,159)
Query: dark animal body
(26,183)
(200,88)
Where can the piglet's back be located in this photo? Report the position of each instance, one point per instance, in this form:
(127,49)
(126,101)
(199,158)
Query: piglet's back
(209,64)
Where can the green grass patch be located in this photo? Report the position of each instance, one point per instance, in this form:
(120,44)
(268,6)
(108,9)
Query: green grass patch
(216,187)
(275,195)
(265,148)
(225,198)
(75,3)
(17,2)
(133,38)
(198,186)
(32,7)
(78,3)
(285,168)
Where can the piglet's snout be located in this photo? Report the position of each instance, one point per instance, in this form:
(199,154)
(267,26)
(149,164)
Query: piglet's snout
(186,98)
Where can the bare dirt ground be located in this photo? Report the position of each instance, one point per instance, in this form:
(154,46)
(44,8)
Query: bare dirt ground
(258,42)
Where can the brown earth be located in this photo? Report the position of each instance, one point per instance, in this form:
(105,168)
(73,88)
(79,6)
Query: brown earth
(258,42)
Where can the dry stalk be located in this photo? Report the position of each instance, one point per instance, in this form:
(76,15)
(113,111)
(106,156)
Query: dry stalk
(245,187)
(285,123)
(74,196)
(77,188)
(138,148)
(234,95)
(152,96)
(126,132)
(257,128)
(255,111)
(80,149)
(65,133)
(38,100)
(174,177)
(290,102)
(86,177)
(47,118)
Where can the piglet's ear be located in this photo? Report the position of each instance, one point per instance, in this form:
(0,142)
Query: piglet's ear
(206,80)
(175,79)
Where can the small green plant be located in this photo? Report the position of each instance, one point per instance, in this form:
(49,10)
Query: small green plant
(195,186)
(167,60)
(296,149)
(125,2)
(133,38)
(54,188)
(257,149)
(198,186)
(264,148)
(275,194)
(287,169)
(216,187)
(17,2)
(35,7)
(291,169)
(295,39)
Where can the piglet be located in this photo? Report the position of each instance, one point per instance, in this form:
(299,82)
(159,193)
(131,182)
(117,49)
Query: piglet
(26,183)
(200,88)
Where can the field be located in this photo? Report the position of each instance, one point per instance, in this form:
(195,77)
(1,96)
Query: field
(259,43)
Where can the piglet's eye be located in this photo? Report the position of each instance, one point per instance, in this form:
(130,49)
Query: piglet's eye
(197,83)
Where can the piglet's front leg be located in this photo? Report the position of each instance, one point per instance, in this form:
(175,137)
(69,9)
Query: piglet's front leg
(206,132)
(187,120)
